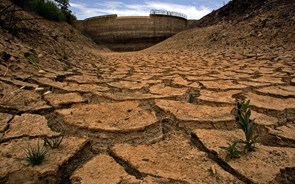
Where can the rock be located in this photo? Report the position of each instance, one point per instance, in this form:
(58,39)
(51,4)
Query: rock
(102,169)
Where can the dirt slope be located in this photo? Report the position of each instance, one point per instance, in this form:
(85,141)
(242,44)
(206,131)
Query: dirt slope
(241,27)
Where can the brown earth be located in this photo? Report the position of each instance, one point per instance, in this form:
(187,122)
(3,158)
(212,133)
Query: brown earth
(152,116)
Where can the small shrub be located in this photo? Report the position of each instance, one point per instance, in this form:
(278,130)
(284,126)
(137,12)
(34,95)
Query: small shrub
(246,124)
(49,10)
(232,151)
(56,10)
(31,58)
(36,155)
(69,17)
(53,142)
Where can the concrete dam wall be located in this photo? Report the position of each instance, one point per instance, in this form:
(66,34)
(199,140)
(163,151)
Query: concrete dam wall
(133,32)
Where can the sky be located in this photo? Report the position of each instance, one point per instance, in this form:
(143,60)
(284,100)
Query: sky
(194,9)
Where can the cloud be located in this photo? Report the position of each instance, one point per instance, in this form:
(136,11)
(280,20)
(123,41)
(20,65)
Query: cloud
(83,10)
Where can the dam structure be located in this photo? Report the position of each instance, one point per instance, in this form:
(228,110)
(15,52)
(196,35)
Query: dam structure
(132,33)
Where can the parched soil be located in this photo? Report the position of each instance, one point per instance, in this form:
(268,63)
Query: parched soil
(153,116)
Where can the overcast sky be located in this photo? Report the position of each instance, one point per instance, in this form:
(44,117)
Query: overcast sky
(194,9)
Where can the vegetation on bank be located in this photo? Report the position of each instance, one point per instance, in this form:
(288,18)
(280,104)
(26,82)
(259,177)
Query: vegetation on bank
(56,10)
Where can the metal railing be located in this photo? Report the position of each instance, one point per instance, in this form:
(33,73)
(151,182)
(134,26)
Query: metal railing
(170,13)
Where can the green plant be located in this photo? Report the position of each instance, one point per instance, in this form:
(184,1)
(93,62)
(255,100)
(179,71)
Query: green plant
(49,10)
(232,151)
(246,124)
(56,10)
(36,155)
(53,142)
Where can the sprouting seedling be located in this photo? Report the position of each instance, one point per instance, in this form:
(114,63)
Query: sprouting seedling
(36,155)
(246,124)
(53,142)
(232,151)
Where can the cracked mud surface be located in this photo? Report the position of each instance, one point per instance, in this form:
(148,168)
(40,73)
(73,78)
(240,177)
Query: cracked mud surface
(153,116)
(145,138)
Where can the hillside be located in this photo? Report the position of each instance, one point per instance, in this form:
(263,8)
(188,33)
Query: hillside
(241,28)
(55,45)
(72,111)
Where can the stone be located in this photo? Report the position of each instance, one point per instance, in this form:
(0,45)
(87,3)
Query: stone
(261,166)
(218,97)
(119,116)
(63,99)
(28,125)
(267,102)
(175,159)
(191,112)
(102,169)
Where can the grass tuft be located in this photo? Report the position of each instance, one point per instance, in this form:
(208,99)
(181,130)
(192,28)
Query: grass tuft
(53,142)
(36,155)
(232,151)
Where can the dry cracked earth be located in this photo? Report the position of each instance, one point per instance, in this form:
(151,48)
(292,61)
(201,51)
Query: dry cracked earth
(149,118)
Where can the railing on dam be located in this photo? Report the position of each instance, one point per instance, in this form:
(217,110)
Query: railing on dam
(170,13)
